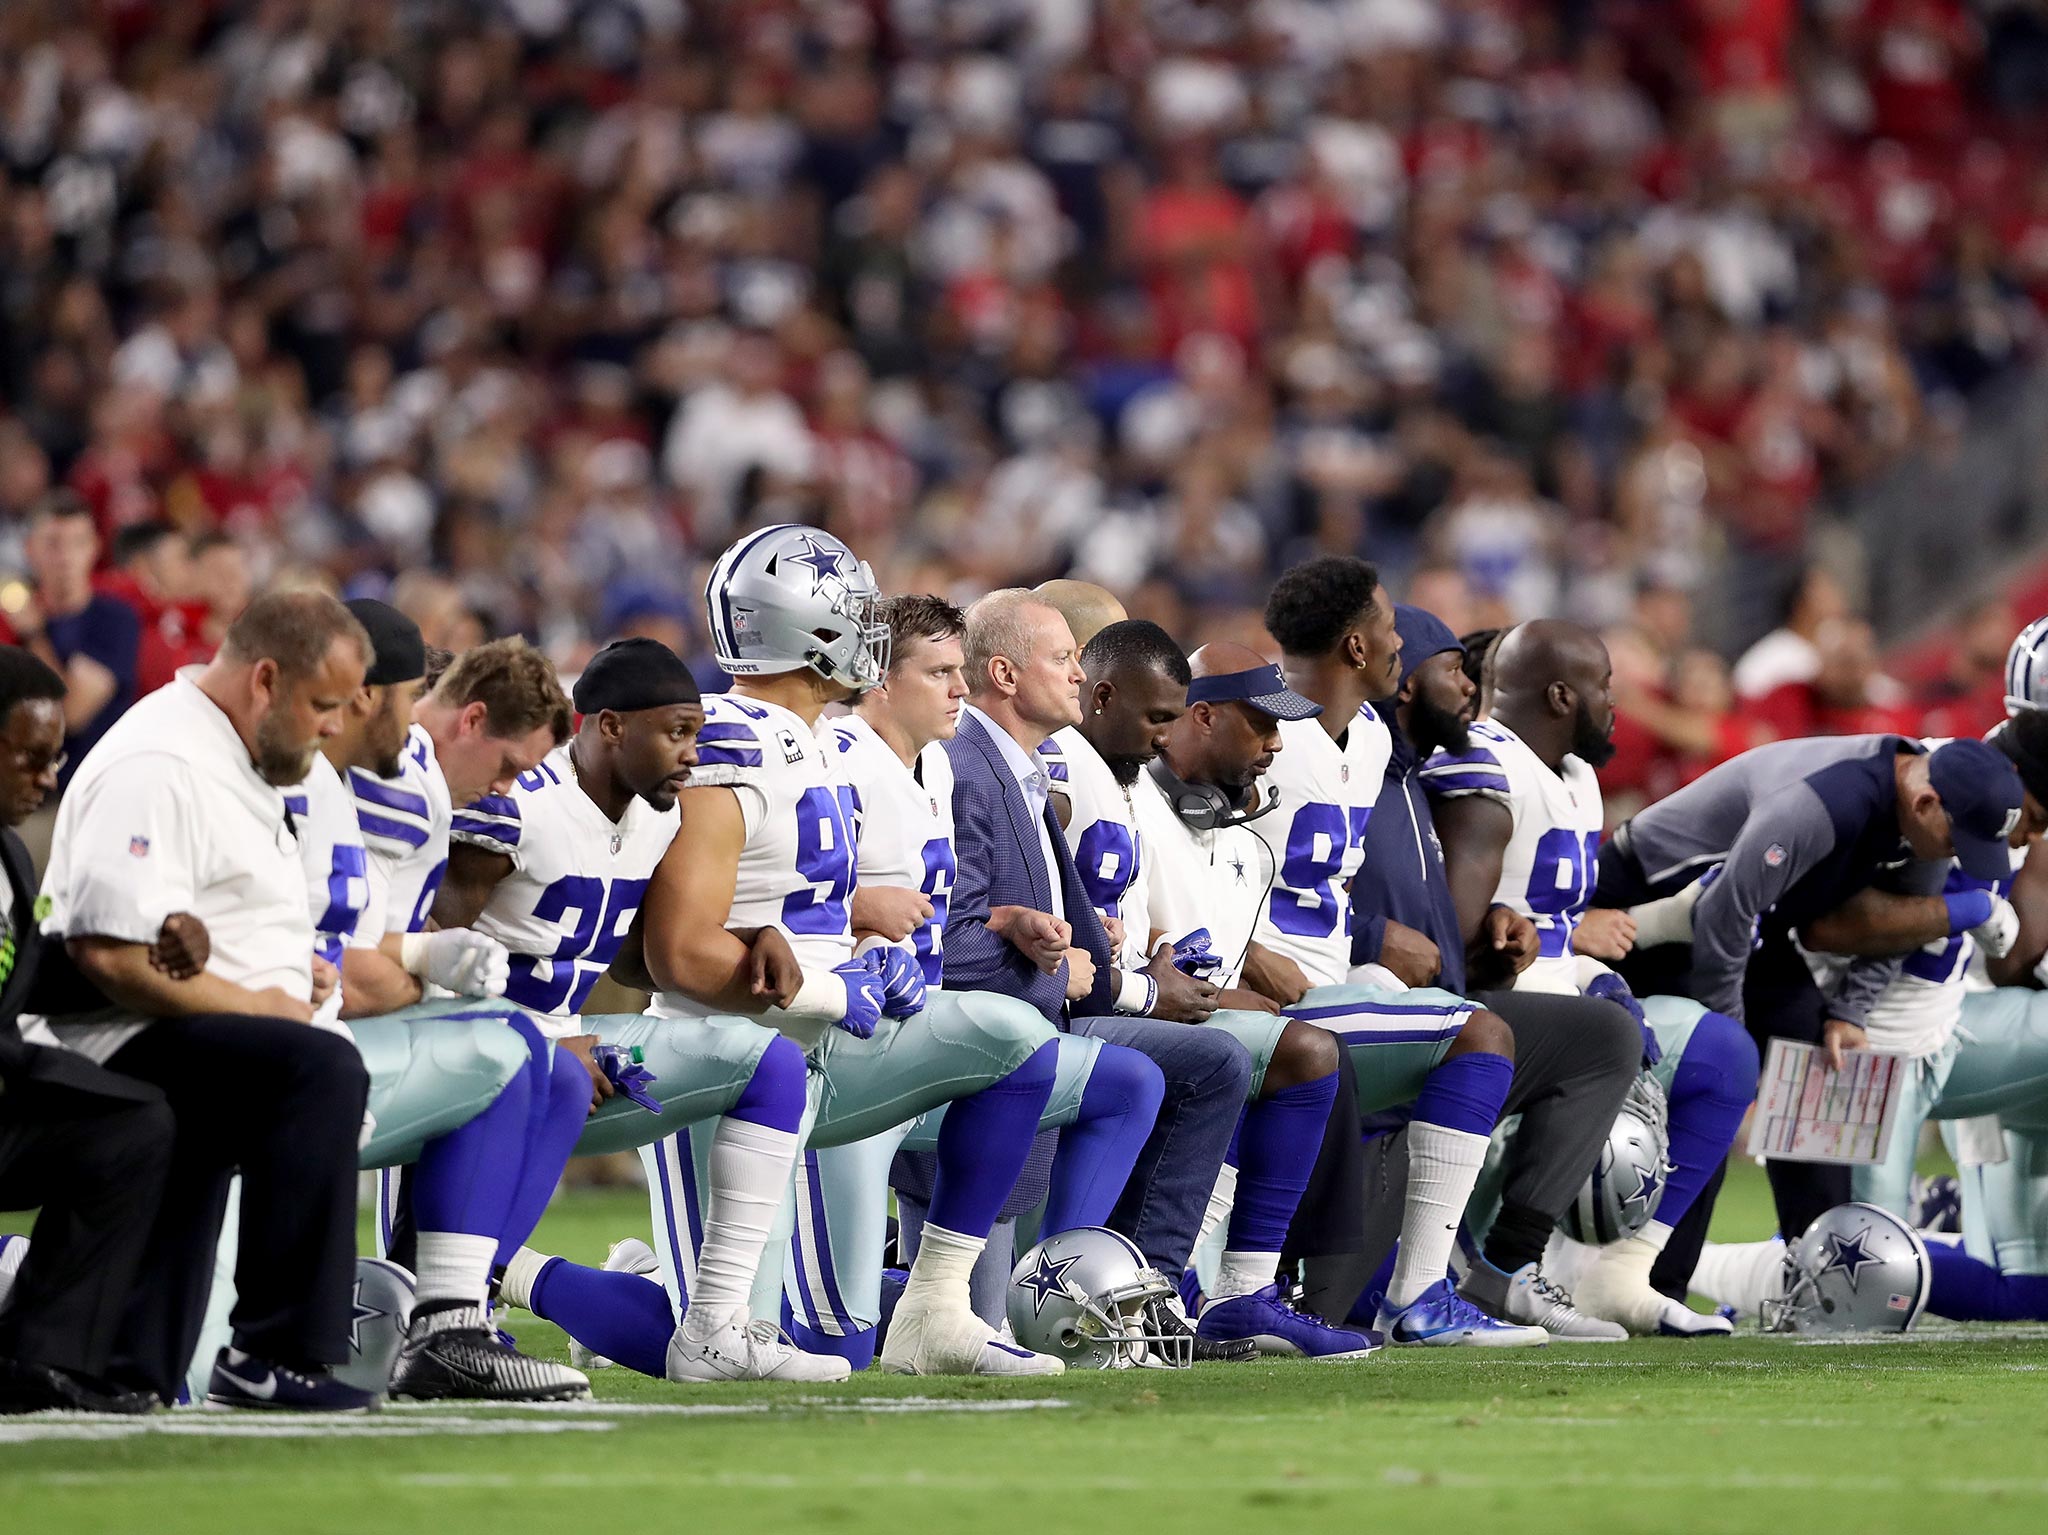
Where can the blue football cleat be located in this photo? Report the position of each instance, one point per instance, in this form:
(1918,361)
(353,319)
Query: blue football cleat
(1272,1326)
(1442,1318)
(245,1382)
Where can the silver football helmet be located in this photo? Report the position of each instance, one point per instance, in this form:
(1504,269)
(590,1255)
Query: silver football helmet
(1859,1268)
(383,1311)
(790,597)
(1621,1195)
(1088,1298)
(2026,669)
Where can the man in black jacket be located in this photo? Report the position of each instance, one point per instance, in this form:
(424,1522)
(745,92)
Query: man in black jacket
(1574,1058)
(85,1144)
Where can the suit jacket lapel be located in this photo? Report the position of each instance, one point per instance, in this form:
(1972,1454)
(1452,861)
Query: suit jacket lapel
(1015,806)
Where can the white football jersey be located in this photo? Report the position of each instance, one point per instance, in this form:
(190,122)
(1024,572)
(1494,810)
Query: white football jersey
(1547,870)
(905,830)
(1102,834)
(1201,879)
(1317,837)
(337,867)
(796,869)
(576,885)
(405,824)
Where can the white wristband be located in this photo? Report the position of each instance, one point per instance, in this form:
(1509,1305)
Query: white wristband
(412,951)
(1136,993)
(822,997)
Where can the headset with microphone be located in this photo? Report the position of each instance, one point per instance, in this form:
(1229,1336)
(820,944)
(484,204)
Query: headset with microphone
(1203,806)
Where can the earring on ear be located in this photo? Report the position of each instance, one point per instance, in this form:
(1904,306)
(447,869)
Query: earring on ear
(1098,714)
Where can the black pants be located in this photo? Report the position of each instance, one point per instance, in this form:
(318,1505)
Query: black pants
(1574,1060)
(282,1104)
(95,1163)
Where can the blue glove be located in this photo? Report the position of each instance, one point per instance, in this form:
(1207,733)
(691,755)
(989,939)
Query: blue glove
(1192,955)
(865,992)
(621,1067)
(1968,909)
(1612,988)
(902,982)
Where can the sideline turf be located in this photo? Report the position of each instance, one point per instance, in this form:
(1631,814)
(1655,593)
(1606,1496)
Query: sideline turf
(1946,1433)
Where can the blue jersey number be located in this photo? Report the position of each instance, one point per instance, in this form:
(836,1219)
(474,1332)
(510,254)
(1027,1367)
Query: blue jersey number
(825,822)
(1307,904)
(940,870)
(560,982)
(348,891)
(1560,884)
(1107,861)
(424,907)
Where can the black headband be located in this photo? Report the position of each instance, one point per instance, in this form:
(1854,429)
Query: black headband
(628,675)
(398,652)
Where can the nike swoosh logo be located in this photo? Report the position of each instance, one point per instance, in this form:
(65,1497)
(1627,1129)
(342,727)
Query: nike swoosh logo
(263,1390)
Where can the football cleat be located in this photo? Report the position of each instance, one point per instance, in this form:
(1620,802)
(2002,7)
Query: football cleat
(1442,1318)
(1529,1299)
(1273,1327)
(241,1381)
(744,1350)
(628,1255)
(928,1340)
(1173,1321)
(1619,1291)
(450,1354)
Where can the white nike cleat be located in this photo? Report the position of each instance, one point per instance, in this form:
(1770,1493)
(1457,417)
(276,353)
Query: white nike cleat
(628,1255)
(1609,1291)
(926,1340)
(744,1350)
(1529,1299)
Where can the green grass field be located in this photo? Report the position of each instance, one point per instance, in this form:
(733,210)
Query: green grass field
(1944,1431)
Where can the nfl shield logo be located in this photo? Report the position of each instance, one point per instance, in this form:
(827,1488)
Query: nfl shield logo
(618,841)
(138,847)
(1344,773)
(1774,855)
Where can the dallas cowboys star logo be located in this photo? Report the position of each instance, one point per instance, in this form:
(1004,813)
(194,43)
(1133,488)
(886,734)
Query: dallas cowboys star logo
(822,561)
(1237,867)
(364,1313)
(1849,1254)
(1047,1280)
(1649,1183)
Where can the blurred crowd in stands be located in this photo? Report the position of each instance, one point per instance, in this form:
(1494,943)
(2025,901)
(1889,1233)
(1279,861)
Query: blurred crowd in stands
(518,310)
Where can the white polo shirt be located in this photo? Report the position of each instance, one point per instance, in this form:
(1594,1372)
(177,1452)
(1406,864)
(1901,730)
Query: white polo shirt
(167,814)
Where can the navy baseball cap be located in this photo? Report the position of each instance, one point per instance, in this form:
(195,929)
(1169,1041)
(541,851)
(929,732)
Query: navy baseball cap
(1423,635)
(1263,687)
(1980,790)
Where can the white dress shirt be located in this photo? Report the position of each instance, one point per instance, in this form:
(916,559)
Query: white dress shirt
(1029,771)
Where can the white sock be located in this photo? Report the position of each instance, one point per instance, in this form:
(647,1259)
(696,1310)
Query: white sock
(1629,1261)
(453,1267)
(521,1270)
(748,1170)
(1741,1274)
(939,1274)
(1241,1273)
(1443,1165)
(1222,1199)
